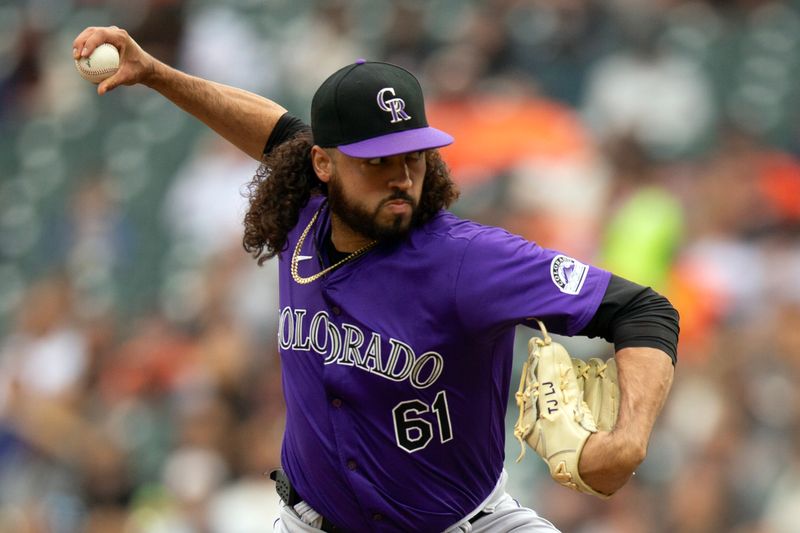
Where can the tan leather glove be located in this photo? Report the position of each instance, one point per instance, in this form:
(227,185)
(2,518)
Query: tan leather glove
(561,402)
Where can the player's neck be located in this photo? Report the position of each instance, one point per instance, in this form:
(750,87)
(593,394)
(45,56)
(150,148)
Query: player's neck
(345,239)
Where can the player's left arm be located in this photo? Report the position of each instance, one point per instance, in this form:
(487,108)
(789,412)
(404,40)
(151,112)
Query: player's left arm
(644,327)
(609,459)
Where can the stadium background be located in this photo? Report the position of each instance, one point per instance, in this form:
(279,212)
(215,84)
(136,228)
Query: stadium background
(139,381)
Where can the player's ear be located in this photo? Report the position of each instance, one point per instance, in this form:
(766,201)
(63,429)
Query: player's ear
(322,162)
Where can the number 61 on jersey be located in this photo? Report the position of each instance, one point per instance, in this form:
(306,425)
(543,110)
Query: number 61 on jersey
(413,430)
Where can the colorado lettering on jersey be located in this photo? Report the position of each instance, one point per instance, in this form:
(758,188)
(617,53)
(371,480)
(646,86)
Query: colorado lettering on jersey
(348,345)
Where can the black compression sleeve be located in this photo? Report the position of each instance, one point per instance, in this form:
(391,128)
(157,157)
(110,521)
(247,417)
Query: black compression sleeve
(632,315)
(287,127)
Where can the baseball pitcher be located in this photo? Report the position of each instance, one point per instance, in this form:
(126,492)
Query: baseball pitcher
(397,318)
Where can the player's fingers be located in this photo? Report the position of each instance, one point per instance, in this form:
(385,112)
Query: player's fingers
(107,84)
(92,37)
(80,41)
(123,76)
(98,37)
(84,44)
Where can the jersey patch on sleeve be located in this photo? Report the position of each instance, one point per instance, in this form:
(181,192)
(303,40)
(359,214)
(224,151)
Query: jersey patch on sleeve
(568,274)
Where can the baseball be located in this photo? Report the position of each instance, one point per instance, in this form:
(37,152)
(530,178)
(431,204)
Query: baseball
(101,63)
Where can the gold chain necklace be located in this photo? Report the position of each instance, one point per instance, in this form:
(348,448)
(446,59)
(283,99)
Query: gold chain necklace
(296,255)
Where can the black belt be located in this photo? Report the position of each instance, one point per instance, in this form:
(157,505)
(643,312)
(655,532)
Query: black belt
(291,497)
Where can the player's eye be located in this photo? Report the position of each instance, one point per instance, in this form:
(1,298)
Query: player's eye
(415,156)
(375,161)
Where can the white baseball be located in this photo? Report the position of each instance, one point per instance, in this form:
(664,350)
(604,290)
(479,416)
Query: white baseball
(101,63)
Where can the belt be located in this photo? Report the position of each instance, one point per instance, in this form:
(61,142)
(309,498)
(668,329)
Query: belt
(291,497)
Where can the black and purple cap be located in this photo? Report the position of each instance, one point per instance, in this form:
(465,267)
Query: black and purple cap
(372,109)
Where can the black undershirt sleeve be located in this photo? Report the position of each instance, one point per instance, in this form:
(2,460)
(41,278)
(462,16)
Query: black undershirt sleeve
(631,315)
(287,127)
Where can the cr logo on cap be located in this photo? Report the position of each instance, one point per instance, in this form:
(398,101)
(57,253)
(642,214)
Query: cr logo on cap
(395,106)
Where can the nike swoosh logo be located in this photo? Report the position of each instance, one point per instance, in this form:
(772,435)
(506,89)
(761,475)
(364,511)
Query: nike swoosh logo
(304,257)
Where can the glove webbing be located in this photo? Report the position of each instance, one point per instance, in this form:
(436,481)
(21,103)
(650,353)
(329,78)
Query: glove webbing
(528,393)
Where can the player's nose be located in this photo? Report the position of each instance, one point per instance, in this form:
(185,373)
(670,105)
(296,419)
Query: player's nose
(400,175)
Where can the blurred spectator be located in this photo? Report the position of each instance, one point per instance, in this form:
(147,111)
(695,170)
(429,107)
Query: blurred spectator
(158,26)
(497,126)
(107,487)
(46,354)
(22,70)
(659,99)
(697,498)
(779,513)
(236,55)
(315,44)
(96,241)
(406,41)
(250,503)
(645,228)
(205,204)
(559,42)
(486,29)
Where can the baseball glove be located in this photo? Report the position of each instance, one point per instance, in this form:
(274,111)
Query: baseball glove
(561,402)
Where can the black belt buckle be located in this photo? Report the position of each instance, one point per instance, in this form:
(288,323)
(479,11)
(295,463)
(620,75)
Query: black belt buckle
(284,487)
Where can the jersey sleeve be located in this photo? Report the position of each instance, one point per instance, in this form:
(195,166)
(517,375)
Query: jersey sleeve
(506,280)
(287,127)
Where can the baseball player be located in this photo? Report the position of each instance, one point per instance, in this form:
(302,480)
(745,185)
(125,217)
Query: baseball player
(397,318)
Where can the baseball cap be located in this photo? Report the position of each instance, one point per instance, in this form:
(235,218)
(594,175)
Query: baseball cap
(373,109)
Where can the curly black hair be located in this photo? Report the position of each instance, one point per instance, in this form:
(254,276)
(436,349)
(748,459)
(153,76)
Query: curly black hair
(285,181)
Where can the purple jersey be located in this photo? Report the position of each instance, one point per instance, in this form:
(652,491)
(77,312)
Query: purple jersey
(396,366)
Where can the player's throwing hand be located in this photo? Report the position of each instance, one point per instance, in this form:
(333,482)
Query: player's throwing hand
(136,65)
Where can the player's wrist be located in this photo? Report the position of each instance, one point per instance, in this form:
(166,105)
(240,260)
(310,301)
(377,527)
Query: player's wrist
(606,463)
(155,74)
(631,447)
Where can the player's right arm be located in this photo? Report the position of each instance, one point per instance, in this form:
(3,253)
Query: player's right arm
(241,117)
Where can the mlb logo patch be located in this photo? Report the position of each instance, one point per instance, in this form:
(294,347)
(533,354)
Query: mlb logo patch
(568,274)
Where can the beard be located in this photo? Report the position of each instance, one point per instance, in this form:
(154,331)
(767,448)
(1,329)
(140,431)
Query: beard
(367,222)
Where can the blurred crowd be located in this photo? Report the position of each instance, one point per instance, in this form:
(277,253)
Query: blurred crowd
(139,379)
